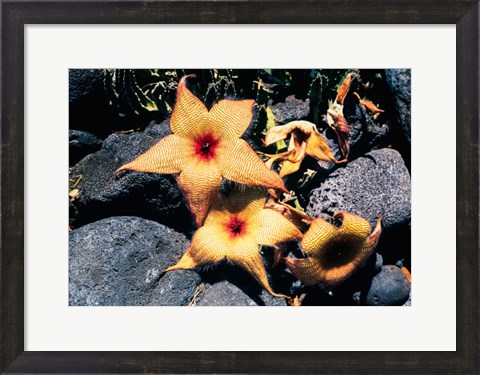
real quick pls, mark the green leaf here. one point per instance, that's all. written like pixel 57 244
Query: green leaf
pixel 280 145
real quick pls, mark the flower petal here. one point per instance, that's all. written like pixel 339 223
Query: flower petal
pixel 353 226
pixel 317 236
pixel 306 270
pixel 231 117
pixel 190 116
pixel 334 254
pixel 274 229
pixel 318 147
pixel 247 201
pixel 200 183
pixel 167 156
pixel 208 246
pixel 239 163
pixel 246 254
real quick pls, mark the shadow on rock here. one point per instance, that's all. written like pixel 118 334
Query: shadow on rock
pixel 229 285
pixel 152 196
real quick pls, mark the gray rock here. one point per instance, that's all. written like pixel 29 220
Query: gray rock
pixel 389 288
pixel 290 110
pixel 88 105
pixel 365 134
pixel 409 301
pixel 80 144
pixel 377 183
pixel 148 195
pixel 357 297
pixel 119 261
pixel 399 82
pixel 223 293
pixel 84 83
pixel 378 262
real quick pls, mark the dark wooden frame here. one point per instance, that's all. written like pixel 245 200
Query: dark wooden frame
pixel 15 14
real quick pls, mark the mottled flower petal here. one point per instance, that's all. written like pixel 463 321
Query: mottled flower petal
pixel 170 155
pixel 306 269
pixel 246 202
pixel 353 226
pixel 246 254
pixel 317 236
pixel 205 147
pixel 231 229
pixel 207 247
pixel 334 254
pixel 200 183
pixel 274 229
pixel 231 117
pixel 190 116
pixel 240 164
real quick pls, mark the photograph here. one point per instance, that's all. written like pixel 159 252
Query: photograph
pixel 239 187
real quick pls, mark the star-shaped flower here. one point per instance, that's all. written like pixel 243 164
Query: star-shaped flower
pixel 204 147
pixel 334 253
pixel 233 229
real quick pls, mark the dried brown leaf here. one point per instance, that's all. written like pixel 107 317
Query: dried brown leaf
pixel 344 87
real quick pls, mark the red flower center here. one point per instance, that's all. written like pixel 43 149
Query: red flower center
pixel 205 146
pixel 236 227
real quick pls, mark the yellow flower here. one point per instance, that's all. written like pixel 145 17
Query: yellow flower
pixel 233 229
pixel 334 253
pixel 204 147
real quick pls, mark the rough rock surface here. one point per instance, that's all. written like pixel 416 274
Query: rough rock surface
pixel 148 195
pixel 119 261
pixel 399 82
pixel 390 287
pixel 224 293
pixel 364 133
pixel 377 183
pixel 80 144
pixel 88 106
pixel 290 110
pixel 378 262
pixel 230 285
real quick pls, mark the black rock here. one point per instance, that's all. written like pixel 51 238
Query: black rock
pixel 80 144
pixel 88 105
pixel 148 195
pixel 389 288
pixel 229 285
pixel 375 184
pixel 119 261
pixel 365 135
pixel 399 82
pixel 357 297
pixel 224 293
pixel 290 110
pixel 409 301
pixel 378 262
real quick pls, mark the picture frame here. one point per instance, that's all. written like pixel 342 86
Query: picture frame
pixel 17 14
